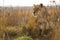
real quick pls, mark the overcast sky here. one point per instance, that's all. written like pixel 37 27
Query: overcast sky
pixel 25 2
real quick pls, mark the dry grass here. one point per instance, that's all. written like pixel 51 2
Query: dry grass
pixel 21 22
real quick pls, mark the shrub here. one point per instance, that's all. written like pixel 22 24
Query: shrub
pixel 25 37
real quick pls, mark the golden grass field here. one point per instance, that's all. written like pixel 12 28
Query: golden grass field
pixel 17 23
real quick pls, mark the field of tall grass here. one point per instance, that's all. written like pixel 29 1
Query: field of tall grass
pixel 18 23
